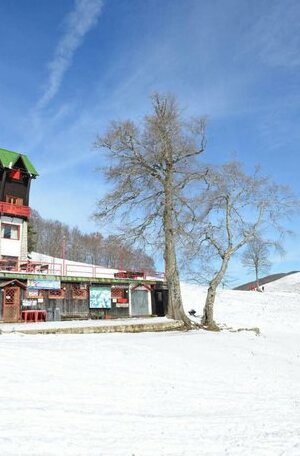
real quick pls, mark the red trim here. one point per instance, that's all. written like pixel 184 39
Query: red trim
pixel 142 285
pixel 13 209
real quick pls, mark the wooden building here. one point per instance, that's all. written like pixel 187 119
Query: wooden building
pixel 26 296
pixel 16 173
pixel 53 289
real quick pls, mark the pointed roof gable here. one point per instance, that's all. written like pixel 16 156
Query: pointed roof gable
pixel 8 158
pixel 12 282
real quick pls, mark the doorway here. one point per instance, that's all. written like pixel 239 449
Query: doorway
pixel 160 306
pixel 11 304
pixel 139 302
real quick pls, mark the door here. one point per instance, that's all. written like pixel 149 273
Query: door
pixel 11 304
pixel 160 302
pixel 139 303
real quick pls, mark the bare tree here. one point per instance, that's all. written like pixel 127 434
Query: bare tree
pixel 48 236
pixel 151 169
pixel 256 256
pixel 240 206
pixel 118 254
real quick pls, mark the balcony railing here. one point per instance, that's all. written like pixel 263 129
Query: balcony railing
pixel 62 268
pixel 14 209
pixel 28 266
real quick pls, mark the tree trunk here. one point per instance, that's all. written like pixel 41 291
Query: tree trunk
pixel 208 310
pixel 256 278
pixel 175 306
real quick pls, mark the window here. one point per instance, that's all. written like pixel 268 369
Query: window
pixel 34 294
pixel 79 293
pixel 14 200
pixel 10 231
pixel 15 174
pixel 56 294
pixel 119 294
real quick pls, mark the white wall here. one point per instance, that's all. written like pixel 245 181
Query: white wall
pixel 12 247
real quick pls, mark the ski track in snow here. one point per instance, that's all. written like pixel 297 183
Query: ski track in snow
pixel 167 394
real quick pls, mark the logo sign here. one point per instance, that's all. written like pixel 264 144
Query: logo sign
pixel 44 284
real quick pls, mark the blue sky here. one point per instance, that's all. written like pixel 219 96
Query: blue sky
pixel 69 67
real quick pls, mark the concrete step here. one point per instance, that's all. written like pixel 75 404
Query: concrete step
pixel 169 325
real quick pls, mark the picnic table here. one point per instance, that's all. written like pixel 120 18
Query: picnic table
pixel 33 315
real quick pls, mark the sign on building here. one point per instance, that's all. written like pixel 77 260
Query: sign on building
pixel 100 298
pixel 44 284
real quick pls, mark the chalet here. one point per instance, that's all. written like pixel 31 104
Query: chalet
pixel 16 173
pixel 46 288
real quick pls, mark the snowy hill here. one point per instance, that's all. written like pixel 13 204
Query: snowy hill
pixel 195 393
pixel 289 283
pixel 240 309
pixel 263 280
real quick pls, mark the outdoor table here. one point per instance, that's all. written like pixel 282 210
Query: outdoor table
pixel 33 266
pixel 33 315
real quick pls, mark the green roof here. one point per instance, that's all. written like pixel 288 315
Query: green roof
pixel 9 158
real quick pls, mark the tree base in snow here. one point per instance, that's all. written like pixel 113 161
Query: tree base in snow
pixel 210 327
pixel 188 324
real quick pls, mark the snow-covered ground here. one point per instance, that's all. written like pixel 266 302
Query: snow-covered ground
pixel 179 393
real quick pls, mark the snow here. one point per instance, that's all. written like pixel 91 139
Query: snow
pixel 289 283
pixel 167 394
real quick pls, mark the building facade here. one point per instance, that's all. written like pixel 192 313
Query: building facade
pixel 47 288
pixel 16 173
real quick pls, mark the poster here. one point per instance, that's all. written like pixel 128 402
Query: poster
pixel 100 298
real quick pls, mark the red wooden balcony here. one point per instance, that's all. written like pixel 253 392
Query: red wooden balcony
pixel 14 209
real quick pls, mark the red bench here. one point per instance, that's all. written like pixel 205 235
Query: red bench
pixel 33 315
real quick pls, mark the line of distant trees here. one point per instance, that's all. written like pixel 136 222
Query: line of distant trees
pixel 51 237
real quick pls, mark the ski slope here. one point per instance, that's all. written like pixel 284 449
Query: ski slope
pixel 169 394
pixel 289 284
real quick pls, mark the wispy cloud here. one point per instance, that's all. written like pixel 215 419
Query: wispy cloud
pixel 78 23
pixel 275 37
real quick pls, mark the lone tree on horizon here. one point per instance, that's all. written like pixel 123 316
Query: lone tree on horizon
pixel 151 168
pixel 256 256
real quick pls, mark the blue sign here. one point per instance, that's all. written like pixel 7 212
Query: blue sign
pixel 43 284
pixel 100 298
